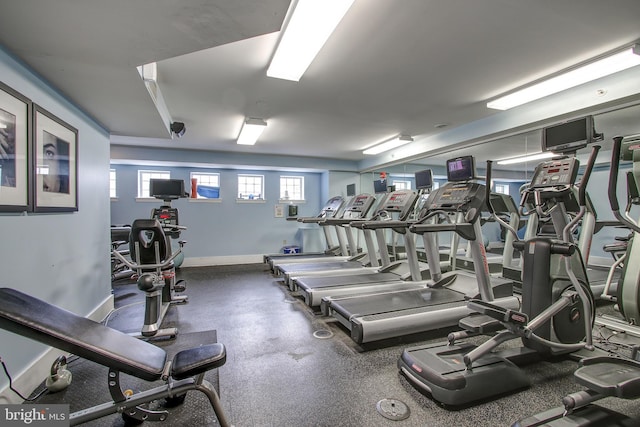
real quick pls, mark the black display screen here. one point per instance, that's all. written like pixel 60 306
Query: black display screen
pixel 424 179
pixel 166 188
pixel 460 169
pixel 568 136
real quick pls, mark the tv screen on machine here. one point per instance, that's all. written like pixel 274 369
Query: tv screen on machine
pixel 424 179
pixel 166 188
pixel 568 136
pixel 460 169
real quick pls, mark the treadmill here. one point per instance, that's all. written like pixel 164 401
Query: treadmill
pixel 357 208
pixel 504 205
pixel 442 301
pixel 392 277
pixel 330 209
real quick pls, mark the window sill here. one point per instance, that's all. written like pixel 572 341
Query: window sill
pixel 147 199
pixel 288 201
pixel 250 201
pixel 204 200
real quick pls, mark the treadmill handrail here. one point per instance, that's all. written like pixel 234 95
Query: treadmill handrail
pixel 339 221
pixel 464 229
pixel 374 225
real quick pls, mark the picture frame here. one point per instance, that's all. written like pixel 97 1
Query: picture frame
pixel 16 194
pixel 55 153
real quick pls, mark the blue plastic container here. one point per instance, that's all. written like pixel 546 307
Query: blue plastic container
pixel 208 191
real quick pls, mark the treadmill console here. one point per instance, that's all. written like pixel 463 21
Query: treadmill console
pixel 358 206
pixel 555 173
pixel 458 197
pixel 332 207
pixel 400 201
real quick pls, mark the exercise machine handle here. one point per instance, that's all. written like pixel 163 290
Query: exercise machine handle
pixel 499 220
pixel 582 199
pixel 613 175
pixel 613 185
pixel 488 187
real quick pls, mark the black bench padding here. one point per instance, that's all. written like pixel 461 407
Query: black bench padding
pixel 59 328
pixel 198 359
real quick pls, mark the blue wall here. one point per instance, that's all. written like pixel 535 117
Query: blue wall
pixel 224 227
pixel 62 258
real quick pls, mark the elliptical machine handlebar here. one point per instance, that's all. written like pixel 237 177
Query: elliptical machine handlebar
pixel 492 212
pixel 613 185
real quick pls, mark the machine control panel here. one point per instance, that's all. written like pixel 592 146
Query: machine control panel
pixel 556 173
pixel 167 216
pixel 358 206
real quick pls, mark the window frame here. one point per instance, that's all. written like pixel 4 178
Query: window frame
pixel 141 181
pixel 299 178
pixel 239 196
pixel 208 174
pixel 113 181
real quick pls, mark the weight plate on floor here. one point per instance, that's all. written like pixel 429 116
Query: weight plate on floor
pixel 393 409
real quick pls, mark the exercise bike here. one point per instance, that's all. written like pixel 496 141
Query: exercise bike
pixel 557 305
pixel 153 261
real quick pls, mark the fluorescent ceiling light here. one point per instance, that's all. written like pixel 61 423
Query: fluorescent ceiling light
pixel 529 158
pixel 386 146
pixel 311 24
pixel 251 131
pixel 611 64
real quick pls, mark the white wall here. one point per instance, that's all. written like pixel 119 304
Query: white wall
pixel 62 258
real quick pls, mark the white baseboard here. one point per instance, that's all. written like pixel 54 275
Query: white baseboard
pixel 222 260
pixel 32 376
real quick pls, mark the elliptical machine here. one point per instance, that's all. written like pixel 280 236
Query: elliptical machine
pixel 557 306
pixel 607 376
pixel 627 294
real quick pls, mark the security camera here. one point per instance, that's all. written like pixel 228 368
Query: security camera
pixel 178 129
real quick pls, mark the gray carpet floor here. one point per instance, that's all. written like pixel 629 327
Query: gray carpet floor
pixel 279 374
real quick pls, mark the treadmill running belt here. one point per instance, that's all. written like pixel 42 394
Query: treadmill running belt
pixel 394 301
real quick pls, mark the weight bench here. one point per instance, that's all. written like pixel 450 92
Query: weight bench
pixel 38 320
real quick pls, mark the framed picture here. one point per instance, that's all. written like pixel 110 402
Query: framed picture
pixel 55 152
pixel 15 151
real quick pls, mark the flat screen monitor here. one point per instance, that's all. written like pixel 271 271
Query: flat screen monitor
pixel 461 169
pixel 568 136
pixel 424 179
pixel 351 190
pixel 166 188
pixel 380 186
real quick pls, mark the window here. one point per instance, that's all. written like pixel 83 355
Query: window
pixel 208 180
pixel 291 188
pixel 402 185
pixel 502 188
pixel 145 176
pixel 250 187
pixel 112 183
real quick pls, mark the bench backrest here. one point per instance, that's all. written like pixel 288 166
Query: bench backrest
pixel 40 321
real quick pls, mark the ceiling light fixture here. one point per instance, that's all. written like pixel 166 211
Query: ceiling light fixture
pixel 619 61
pixel 529 158
pixel 309 27
pixel 251 130
pixel 388 145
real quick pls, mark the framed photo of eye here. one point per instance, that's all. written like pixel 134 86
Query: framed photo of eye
pixel 56 163
pixel 15 151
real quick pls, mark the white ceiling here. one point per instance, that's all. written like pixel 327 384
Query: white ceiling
pixel 390 67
